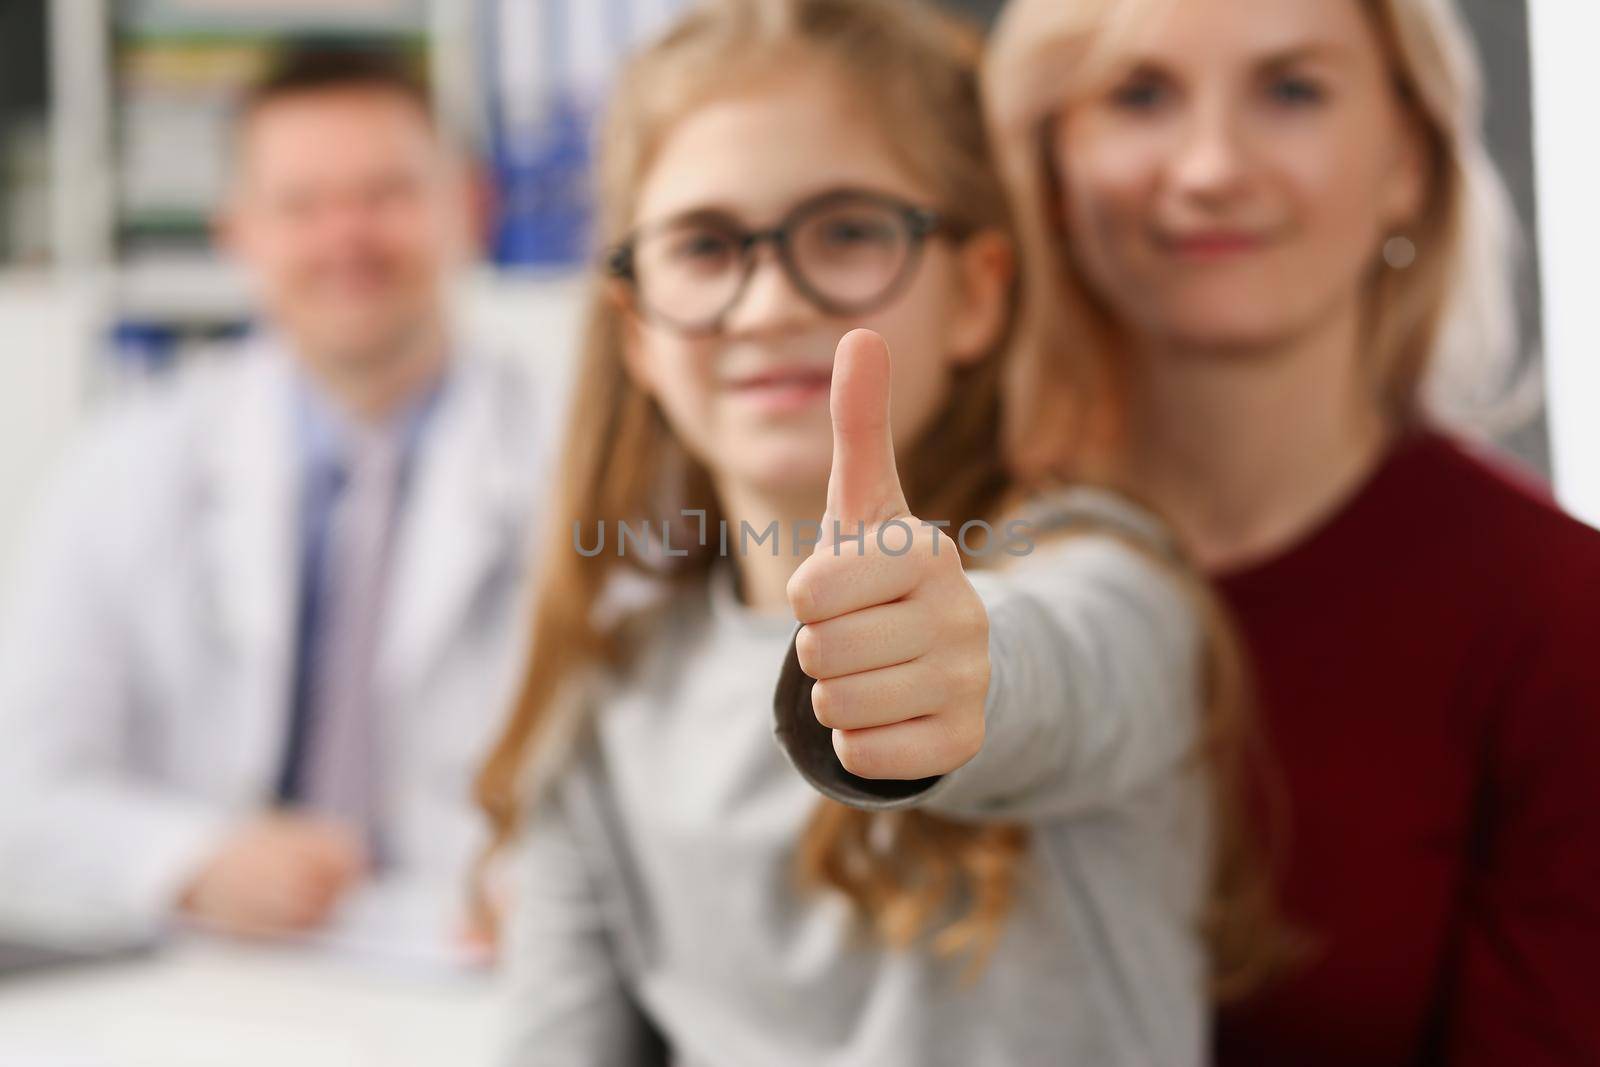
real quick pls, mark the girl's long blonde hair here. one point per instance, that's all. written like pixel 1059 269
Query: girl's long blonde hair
pixel 917 73
pixel 1442 334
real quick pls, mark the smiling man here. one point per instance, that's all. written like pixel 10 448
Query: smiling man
pixel 269 614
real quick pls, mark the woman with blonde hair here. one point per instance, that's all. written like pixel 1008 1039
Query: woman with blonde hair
pixel 1023 850
pixel 1266 250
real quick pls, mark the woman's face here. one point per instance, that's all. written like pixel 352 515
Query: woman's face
pixel 750 400
pixel 1231 183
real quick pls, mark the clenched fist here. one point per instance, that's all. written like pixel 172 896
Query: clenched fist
pixel 894 634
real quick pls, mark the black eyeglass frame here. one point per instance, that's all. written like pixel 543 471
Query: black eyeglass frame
pixel 921 223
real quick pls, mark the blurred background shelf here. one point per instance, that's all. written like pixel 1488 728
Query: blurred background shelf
pixel 176 286
pixel 228 17
pixel 115 148
pixel 25 166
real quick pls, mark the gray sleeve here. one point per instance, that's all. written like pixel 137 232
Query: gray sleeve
pixel 568 1000
pixel 1093 692
pixel 1094 684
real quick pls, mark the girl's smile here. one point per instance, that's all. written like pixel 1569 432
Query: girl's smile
pixel 781 390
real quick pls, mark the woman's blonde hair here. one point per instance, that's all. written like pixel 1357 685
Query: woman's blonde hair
pixel 1443 338
pixel 916 71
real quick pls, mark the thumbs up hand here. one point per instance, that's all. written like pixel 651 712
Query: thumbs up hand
pixel 894 634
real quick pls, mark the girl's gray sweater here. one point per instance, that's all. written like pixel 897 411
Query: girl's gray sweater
pixel 657 918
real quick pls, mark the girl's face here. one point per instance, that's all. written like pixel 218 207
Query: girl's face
pixel 750 400
pixel 1232 181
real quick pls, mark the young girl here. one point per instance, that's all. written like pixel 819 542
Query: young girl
pixel 1034 883
pixel 1266 233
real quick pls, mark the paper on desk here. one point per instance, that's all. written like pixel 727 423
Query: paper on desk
pixel 394 925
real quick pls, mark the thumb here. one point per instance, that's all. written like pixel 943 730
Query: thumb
pixel 863 485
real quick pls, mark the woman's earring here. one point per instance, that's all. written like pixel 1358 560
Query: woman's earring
pixel 1399 252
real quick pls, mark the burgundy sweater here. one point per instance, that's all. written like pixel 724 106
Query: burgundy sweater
pixel 1428 667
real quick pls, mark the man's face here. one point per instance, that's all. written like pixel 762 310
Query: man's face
pixel 347 213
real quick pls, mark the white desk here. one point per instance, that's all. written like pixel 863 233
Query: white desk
pixel 203 1003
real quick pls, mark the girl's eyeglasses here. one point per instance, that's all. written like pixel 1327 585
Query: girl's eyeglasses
pixel 848 252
